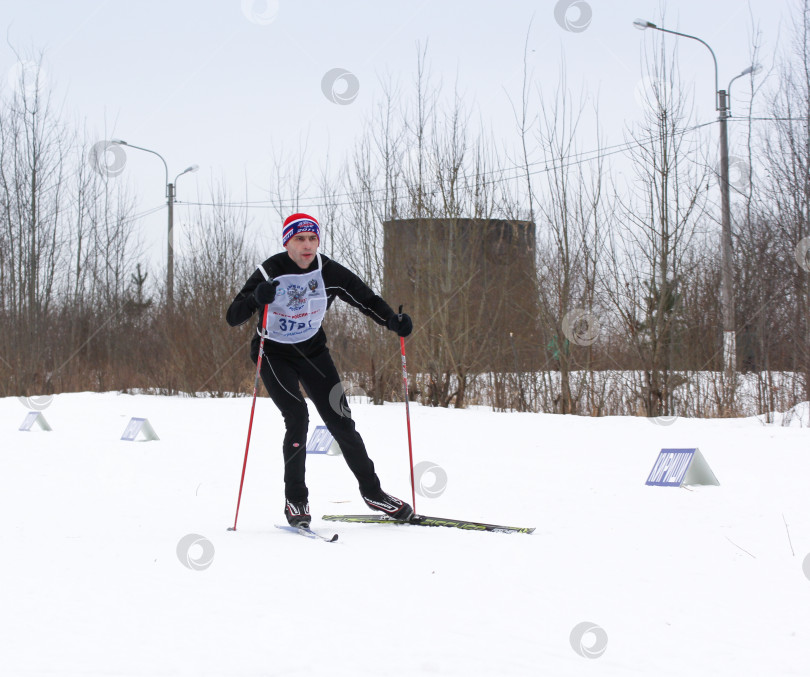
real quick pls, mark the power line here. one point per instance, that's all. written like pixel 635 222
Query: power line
pixel 520 172
pixel 584 157
pixel 148 212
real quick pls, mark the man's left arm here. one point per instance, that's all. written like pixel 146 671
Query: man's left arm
pixel 349 287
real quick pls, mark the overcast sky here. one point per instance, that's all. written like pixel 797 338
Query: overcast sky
pixel 224 83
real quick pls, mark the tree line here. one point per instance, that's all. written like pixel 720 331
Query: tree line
pixel 625 281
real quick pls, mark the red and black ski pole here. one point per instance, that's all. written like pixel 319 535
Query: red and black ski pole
pixel 252 409
pixel 407 412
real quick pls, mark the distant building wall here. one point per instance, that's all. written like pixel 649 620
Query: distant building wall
pixel 465 280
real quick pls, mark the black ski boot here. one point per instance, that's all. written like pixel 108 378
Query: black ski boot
pixel 391 506
pixel 297 513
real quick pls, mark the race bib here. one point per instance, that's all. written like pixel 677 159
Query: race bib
pixel 296 313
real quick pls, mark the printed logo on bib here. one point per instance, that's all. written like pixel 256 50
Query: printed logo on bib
pixel 297 297
pixel 313 285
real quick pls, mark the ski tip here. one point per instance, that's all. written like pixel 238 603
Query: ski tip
pixel 333 539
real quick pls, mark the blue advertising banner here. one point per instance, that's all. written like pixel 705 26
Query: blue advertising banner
pixel 679 467
pixel 322 442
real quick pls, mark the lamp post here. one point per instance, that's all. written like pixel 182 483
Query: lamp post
pixel 721 104
pixel 170 194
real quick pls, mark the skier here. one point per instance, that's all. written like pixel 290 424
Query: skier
pixel 299 285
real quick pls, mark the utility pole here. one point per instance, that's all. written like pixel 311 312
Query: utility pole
pixel 721 104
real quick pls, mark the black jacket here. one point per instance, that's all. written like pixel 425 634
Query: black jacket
pixel 339 282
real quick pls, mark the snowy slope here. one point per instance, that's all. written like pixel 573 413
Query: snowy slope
pixel 707 581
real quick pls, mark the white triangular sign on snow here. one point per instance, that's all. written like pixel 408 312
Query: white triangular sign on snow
pixel 35 417
pixel 699 472
pixel 139 426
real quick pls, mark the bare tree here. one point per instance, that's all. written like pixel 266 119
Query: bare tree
pixel 569 242
pixel 33 147
pixel 658 216
pixel 204 353
pixel 787 184
pixel 370 184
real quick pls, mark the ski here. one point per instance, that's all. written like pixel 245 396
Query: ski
pixel 306 531
pixel 426 521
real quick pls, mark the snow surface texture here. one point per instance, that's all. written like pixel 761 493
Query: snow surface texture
pixel 116 559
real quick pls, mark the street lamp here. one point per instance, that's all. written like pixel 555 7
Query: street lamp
pixel 170 201
pixel 751 69
pixel 721 104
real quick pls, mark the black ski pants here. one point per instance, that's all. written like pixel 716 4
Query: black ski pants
pixel 318 375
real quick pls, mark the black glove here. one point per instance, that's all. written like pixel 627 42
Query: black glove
pixel 266 292
pixel 401 324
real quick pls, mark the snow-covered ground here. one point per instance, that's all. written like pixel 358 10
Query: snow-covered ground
pixel 700 581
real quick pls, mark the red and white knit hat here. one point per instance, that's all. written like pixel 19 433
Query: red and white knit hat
pixel 299 223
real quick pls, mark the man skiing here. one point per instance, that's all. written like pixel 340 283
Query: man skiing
pixel 298 286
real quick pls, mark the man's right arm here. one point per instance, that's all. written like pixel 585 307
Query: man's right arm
pixel 244 305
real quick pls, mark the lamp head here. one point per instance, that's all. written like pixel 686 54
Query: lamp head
pixel 643 24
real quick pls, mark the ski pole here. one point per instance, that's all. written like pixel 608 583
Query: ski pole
pixel 252 409
pixel 407 412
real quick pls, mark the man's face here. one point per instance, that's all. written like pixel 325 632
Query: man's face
pixel 302 248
